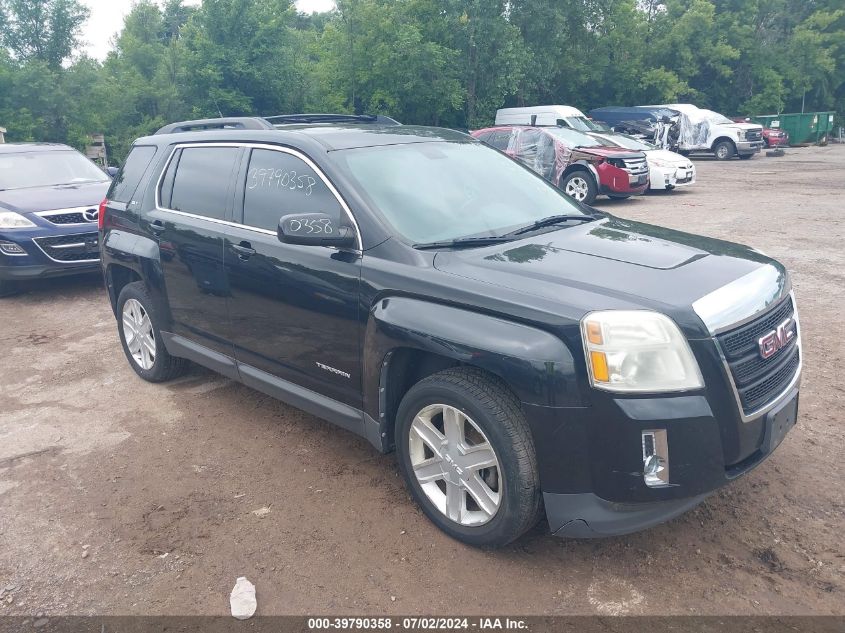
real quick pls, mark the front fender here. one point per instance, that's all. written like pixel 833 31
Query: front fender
pixel 537 365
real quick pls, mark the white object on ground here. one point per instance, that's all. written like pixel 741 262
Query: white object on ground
pixel 243 600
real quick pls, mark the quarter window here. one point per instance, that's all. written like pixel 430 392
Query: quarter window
pixel 127 181
pixel 279 184
pixel 202 182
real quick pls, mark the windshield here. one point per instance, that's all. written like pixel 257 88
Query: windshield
pixel 573 138
pixel 715 117
pixel 583 124
pixel 438 191
pixel 629 142
pixel 46 169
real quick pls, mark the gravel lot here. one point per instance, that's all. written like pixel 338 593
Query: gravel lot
pixel 120 497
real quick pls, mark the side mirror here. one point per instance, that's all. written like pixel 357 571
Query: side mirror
pixel 315 229
pixel 112 171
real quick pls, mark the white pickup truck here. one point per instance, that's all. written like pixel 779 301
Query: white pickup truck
pixel 699 130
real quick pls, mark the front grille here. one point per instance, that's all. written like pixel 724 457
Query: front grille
pixel 753 135
pixel 66 218
pixel 760 380
pixel 635 166
pixel 70 248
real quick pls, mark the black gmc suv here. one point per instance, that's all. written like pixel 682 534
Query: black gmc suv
pixel 521 353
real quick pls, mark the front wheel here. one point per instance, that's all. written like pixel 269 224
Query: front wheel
pixel 580 186
pixel 141 338
pixel 724 150
pixel 468 458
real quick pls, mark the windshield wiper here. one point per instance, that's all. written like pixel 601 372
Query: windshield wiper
pixel 464 242
pixel 550 221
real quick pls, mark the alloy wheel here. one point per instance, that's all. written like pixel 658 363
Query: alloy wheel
pixel 577 188
pixel 138 333
pixel 455 465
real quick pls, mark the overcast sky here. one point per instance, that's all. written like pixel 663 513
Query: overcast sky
pixel 107 19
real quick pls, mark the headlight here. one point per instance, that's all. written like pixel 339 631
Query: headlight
pixel 740 134
pixel 12 220
pixel 631 351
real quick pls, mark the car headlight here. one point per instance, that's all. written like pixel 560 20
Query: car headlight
pixel 12 220
pixel 631 351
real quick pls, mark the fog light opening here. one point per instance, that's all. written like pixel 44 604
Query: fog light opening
pixel 11 249
pixel 655 458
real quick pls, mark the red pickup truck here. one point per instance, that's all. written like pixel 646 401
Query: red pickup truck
pixel 772 136
pixel 581 165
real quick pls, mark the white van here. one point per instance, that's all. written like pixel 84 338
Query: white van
pixel 548 115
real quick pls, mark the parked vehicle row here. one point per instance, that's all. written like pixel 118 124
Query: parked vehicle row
pixel 524 355
pixel 583 158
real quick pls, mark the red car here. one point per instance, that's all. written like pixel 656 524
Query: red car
pixel 581 165
pixel 772 136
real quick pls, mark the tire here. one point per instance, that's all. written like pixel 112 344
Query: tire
pixel 487 412
pixel 746 156
pixel 724 150
pixel 136 312
pixel 8 288
pixel 581 186
pixel 617 196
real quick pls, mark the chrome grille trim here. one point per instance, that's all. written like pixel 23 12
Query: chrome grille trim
pixel 779 398
pixel 46 215
pixel 46 247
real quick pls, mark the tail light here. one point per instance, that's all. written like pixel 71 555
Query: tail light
pixel 101 215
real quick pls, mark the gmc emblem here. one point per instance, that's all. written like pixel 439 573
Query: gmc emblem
pixel 777 339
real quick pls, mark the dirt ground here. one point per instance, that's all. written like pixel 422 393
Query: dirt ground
pixel 121 497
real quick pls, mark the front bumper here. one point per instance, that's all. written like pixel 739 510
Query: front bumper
pixel 49 252
pixel 591 459
pixel 671 177
pixel 749 147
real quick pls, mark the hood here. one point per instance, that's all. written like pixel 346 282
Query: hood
pixel 35 199
pixel 609 152
pixel 612 264
pixel 670 157
pixel 745 126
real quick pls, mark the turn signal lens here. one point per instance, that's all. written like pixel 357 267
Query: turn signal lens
pixel 594 333
pixel 599 363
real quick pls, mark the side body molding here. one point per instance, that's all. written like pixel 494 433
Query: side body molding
pixel 537 365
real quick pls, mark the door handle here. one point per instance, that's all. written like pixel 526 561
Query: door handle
pixel 244 250
pixel 157 226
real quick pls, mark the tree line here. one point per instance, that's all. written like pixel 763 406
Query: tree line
pixel 434 62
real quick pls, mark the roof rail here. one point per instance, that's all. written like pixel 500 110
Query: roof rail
pixel 283 119
pixel 234 123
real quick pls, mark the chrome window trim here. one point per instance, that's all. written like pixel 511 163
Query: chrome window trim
pixel 46 215
pixel 795 382
pixel 64 261
pixel 267 146
pixel 742 300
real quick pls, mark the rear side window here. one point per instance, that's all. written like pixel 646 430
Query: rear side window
pixel 130 175
pixel 279 184
pixel 202 181
pixel 500 140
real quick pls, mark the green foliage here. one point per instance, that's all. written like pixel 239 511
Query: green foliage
pixel 436 62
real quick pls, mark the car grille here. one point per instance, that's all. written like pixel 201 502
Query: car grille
pixel 70 216
pixel 82 247
pixel 758 381
pixel 753 135
pixel 635 166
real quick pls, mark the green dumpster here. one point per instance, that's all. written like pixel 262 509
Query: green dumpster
pixel 807 127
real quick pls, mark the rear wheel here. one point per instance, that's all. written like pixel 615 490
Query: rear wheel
pixel 724 150
pixel 581 186
pixel 141 338
pixel 468 457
